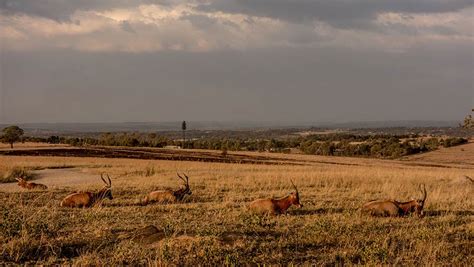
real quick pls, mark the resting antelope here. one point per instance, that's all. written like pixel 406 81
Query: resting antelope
pixel 393 208
pixel 169 196
pixel 30 186
pixel 276 206
pixel 88 199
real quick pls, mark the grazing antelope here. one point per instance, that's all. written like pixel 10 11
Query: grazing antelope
pixel 30 186
pixel 169 196
pixel 393 208
pixel 276 206
pixel 88 199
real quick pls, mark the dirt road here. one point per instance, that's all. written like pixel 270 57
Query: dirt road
pixel 57 178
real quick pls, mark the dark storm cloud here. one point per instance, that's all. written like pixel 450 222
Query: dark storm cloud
pixel 61 10
pixel 338 13
pixel 252 70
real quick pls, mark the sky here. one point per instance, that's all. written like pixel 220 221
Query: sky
pixel 236 60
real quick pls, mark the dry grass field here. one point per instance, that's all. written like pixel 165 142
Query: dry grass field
pixel 213 225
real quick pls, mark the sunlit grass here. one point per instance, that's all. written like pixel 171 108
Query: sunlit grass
pixel 213 226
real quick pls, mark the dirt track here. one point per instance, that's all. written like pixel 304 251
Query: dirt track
pixel 56 178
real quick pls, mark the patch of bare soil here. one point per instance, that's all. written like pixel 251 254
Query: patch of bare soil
pixel 56 178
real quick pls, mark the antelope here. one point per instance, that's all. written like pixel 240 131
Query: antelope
pixel 276 206
pixel 30 186
pixel 393 208
pixel 169 196
pixel 88 199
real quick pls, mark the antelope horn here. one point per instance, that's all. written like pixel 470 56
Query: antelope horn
pixel 187 178
pixel 181 177
pixel 102 177
pixel 423 190
pixel 294 186
pixel 110 181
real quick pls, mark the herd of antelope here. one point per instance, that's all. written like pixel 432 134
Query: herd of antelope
pixel 273 206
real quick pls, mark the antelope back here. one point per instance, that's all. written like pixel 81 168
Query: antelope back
pixel 165 196
pixel 381 208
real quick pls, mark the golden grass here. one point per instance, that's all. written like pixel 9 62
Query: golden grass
pixel 460 155
pixel 213 227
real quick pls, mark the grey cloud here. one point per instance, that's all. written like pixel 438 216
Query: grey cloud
pixel 61 10
pixel 414 31
pixel 338 13
pixel 278 84
pixel 200 21
pixel 126 26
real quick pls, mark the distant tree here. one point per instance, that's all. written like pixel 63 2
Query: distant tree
pixel 54 139
pixel 454 141
pixel 12 134
pixel 431 144
pixel 224 151
pixel 468 122
pixel 183 127
pixel 327 148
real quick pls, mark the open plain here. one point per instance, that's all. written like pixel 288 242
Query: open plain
pixel 213 225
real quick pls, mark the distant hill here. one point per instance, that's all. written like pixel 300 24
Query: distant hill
pixel 71 128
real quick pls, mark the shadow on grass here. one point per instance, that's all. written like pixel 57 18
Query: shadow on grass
pixel 123 204
pixel 437 213
pixel 140 203
pixel 316 211
pixel 35 251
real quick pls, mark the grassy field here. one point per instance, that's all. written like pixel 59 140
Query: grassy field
pixel 213 226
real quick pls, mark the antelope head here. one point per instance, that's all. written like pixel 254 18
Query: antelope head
pixel 21 181
pixel 295 196
pixel 106 191
pixel 420 203
pixel 186 190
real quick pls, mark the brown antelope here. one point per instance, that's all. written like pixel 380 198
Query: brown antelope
pixel 393 208
pixel 30 186
pixel 88 199
pixel 276 206
pixel 169 196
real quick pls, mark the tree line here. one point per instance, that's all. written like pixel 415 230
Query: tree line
pixel 333 144
pixel 378 146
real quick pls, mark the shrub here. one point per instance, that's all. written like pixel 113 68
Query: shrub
pixel 10 175
pixel 454 141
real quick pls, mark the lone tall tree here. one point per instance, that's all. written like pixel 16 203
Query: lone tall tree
pixel 12 134
pixel 183 127
pixel 468 122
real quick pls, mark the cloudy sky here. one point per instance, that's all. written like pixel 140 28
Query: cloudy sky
pixel 236 60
